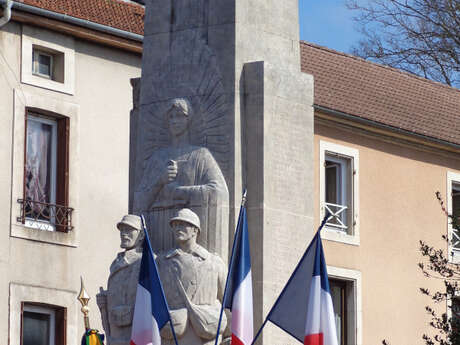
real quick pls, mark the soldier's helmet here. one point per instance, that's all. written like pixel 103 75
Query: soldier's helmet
pixel 187 215
pixel 130 220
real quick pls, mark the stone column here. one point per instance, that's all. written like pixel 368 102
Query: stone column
pixel 269 117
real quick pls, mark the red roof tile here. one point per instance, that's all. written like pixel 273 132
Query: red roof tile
pixel 115 13
pixel 382 94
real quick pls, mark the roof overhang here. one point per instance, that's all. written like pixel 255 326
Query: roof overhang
pixel 378 128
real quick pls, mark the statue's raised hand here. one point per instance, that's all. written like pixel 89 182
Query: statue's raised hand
pixel 170 172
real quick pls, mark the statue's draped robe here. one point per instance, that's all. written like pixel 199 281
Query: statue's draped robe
pixel 205 189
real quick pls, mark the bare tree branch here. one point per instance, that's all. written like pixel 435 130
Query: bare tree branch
pixel 417 36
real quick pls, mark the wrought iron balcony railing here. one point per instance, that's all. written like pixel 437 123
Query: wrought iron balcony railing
pixel 45 216
pixel 338 216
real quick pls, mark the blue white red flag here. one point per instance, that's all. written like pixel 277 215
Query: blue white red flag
pixel 320 324
pixel 238 296
pixel 151 311
pixel 304 308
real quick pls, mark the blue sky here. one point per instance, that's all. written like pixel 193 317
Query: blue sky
pixel 327 23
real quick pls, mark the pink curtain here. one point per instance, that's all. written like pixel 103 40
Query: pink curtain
pixel 38 162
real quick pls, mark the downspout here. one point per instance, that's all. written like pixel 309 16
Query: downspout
pixel 6 12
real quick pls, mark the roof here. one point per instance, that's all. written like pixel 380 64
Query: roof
pixel 114 13
pixel 381 94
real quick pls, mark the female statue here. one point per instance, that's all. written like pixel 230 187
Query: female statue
pixel 182 175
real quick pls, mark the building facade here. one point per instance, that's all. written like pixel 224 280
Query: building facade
pixel 65 75
pixel 385 142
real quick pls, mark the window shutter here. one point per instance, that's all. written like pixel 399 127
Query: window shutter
pixel 61 326
pixel 62 178
pixel 22 322
pixel 24 178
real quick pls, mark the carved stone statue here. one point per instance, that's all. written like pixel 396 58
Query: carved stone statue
pixel 116 304
pixel 194 281
pixel 180 175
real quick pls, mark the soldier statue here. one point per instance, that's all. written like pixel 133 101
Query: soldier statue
pixel 194 283
pixel 116 304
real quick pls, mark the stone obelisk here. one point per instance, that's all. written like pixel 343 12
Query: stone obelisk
pixel 238 64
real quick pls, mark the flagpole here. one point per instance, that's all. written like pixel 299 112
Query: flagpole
pixel 323 222
pixel 161 285
pixel 237 234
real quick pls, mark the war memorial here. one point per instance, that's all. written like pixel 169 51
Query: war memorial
pixel 221 106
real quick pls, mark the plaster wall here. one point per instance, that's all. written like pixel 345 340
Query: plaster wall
pixel 39 266
pixel 397 209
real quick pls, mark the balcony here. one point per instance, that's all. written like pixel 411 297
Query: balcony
pixel 45 216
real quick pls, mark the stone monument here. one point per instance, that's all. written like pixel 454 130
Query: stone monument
pixel 116 304
pixel 229 72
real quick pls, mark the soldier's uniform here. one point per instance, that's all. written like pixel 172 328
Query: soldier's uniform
pixel 117 302
pixel 202 276
pixel 121 295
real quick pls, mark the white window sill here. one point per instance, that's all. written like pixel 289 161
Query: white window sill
pixel 335 235
pixel 43 226
pixel 29 231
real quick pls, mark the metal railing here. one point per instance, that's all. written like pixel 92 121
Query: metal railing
pixel 45 216
pixel 455 240
pixel 337 218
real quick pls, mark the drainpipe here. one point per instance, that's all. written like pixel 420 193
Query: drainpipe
pixel 6 12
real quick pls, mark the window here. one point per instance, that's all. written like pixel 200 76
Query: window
pixel 42 64
pixel 339 191
pixel 455 313
pixel 48 63
pixel 338 198
pixel 43 324
pixel 453 208
pixel 456 213
pixel 45 202
pixel 345 287
pixel 338 292
pixel 48 59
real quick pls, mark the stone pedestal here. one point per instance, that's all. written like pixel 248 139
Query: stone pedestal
pixel 263 116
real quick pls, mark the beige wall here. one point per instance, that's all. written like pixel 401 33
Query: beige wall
pixel 397 209
pixel 99 175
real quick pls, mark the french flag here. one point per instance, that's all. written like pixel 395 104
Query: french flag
pixel 320 324
pixel 151 311
pixel 238 295
pixel 304 308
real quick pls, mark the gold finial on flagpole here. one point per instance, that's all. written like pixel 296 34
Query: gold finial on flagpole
pixel 84 298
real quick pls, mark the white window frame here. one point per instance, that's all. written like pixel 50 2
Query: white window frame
pixel 33 99
pixel 330 233
pixel 452 178
pixel 47 42
pixel 36 63
pixel 20 294
pixel 47 226
pixel 46 311
pixel 354 302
